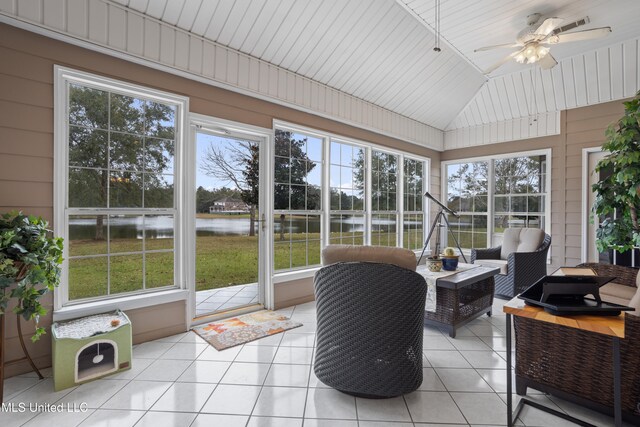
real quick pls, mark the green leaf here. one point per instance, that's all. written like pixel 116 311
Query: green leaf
pixel 619 189
pixel 27 239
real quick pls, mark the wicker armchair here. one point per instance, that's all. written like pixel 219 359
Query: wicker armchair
pixel 620 290
pixel 521 269
pixel 370 326
pixel 577 365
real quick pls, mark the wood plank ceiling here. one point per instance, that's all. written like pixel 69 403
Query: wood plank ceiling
pixel 588 72
pixel 372 49
pixel 371 62
pixel 471 24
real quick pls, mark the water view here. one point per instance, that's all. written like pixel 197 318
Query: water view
pixel 162 226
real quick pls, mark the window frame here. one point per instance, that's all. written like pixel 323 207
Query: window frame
pixel 321 213
pixel 307 271
pixel 491 190
pixel 63 307
pixel 424 212
pixel 398 211
pixel 366 191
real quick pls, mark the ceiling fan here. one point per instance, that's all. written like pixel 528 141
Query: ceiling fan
pixel 535 40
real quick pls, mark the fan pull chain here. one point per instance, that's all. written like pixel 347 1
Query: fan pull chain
pixel 533 115
pixel 437 26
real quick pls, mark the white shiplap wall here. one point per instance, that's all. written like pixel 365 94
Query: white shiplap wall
pixel 543 124
pixel 602 75
pixel 145 39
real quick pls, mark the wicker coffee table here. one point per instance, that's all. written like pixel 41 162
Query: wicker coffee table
pixel 461 297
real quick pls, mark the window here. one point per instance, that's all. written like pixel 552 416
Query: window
pixel 519 199
pixel 383 198
pixel 297 199
pixel 467 194
pixel 413 222
pixel 120 210
pixel 329 190
pixel 516 186
pixel 347 176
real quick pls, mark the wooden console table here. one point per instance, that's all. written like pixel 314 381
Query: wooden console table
pixel 610 326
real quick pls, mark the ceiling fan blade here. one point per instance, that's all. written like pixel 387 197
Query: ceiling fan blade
pixel 572 25
pixel 502 62
pixel 548 26
pixel 547 62
pixel 498 46
pixel 577 36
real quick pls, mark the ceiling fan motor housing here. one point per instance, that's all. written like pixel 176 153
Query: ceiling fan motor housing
pixel 533 19
pixel 528 34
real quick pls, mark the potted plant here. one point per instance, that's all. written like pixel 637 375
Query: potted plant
pixel 449 259
pixel 29 257
pixel 618 194
pixel 434 263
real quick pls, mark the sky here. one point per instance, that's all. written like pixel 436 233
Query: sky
pixel 204 141
pixel 341 154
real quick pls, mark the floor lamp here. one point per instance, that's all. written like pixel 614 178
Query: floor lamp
pixel 437 223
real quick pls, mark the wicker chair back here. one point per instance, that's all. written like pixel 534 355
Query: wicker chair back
pixel 370 326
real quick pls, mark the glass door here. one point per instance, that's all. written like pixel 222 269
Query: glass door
pixel 628 258
pixel 592 252
pixel 229 221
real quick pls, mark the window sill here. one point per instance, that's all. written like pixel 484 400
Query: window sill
pixel 294 275
pixel 125 303
pixel 290 276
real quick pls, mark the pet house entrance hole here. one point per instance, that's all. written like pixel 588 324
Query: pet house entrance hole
pixel 96 359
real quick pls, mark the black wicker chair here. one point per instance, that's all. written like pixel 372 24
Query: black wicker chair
pixel 370 326
pixel 523 268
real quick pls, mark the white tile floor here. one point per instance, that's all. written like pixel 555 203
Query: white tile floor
pixel 221 299
pixel 181 381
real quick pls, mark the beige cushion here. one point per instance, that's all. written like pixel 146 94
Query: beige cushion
pixel 616 290
pixel 346 253
pixel 521 240
pixel 635 302
pixel 614 299
pixel 638 279
pixel 499 263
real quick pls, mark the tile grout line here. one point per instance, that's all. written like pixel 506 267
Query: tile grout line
pixel 217 384
pixel 233 360
pixel 265 379
pixel 132 379
pixel 472 367
pixel 173 382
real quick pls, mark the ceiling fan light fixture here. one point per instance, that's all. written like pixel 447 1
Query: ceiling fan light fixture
pixel 530 51
pixel 520 58
pixel 531 54
pixel 542 51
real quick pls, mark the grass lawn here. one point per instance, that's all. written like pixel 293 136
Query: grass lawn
pixel 221 261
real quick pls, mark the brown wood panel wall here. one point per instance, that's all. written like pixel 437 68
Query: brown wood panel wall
pixel 579 128
pixel 26 143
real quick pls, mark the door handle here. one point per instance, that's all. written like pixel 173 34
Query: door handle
pixel 262 221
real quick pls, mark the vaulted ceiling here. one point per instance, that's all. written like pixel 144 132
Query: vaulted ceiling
pixel 471 24
pixel 368 62
pixel 372 49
